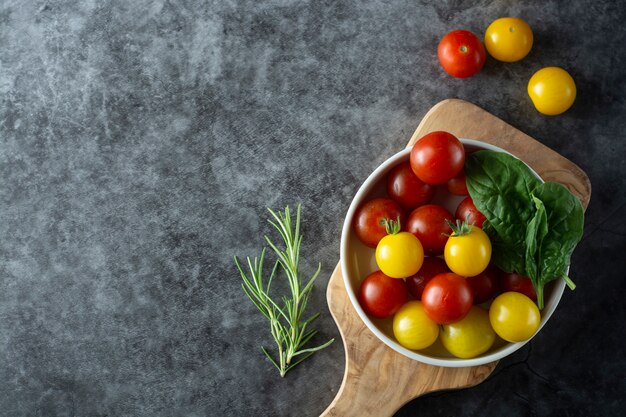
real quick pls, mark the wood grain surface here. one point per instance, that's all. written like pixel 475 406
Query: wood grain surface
pixel 378 380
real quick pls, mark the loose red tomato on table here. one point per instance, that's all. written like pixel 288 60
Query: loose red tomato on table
pixel 447 298
pixel 484 285
pixel 369 219
pixel 381 296
pixel 457 184
pixel 467 208
pixel 429 224
pixel 461 53
pixel 437 157
pixel 404 187
pixel 430 268
pixel 518 283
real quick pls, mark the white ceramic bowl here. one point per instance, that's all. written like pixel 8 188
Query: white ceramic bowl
pixel 358 261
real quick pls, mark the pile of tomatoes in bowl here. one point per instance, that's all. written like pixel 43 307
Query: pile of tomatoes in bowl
pixel 417 263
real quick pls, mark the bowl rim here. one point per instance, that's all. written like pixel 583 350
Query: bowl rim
pixel 363 190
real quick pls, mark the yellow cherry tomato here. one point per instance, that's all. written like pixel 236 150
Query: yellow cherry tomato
pixel 552 90
pixel 412 327
pixel 469 337
pixel 399 255
pixel 508 39
pixel 467 251
pixel 514 316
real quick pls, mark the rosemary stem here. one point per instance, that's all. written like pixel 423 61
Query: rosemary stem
pixel 288 331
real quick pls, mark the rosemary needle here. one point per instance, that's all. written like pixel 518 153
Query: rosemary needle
pixel 290 331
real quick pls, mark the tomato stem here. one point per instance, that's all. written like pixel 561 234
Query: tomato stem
pixel 392 226
pixel 461 228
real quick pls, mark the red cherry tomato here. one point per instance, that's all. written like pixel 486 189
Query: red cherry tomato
pixel 381 296
pixel 484 285
pixel 467 207
pixel 457 184
pixel 429 224
pixel 430 268
pixel 461 53
pixel 518 283
pixel 368 220
pixel 437 157
pixel 405 188
pixel 447 298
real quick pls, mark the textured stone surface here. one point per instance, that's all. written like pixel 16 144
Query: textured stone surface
pixel 140 142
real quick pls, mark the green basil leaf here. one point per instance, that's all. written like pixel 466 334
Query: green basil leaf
pixel 533 226
pixel 500 186
pixel 506 257
pixel 535 232
pixel 565 218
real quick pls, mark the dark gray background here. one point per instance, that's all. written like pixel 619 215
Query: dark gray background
pixel 141 141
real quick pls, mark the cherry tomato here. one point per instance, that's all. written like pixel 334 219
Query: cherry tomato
pixel 381 296
pixel 467 207
pixel 457 184
pixel 430 268
pixel 469 337
pixel 468 251
pixel 552 90
pixel 514 317
pixel 399 254
pixel 404 187
pixel 412 327
pixel 461 53
pixel 508 39
pixel 484 285
pixel 447 298
pixel 518 283
pixel 437 157
pixel 369 224
pixel 429 224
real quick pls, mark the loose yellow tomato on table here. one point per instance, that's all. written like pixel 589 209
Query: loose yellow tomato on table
pixel 508 39
pixel 552 90
pixel 469 337
pixel 514 317
pixel 399 254
pixel 412 327
pixel 468 250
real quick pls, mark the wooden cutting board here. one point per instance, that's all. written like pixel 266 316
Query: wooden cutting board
pixel 377 379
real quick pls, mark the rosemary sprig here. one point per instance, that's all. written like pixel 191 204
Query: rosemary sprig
pixel 290 332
